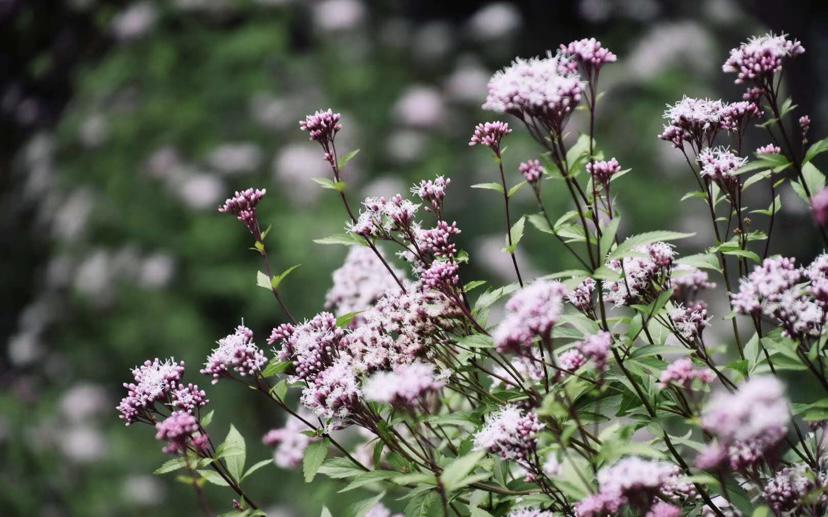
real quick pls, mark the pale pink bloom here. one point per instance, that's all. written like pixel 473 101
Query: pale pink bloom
pixel 510 433
pixel 530 314
pixel 761 56
pixel 682 373
pixel 490 134
pixel 531 170
pixel 406 385
pixel 236 352
pixel 154 381
pixel 769 149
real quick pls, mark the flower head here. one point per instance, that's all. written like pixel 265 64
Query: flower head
pixel 236 352
pixel 692 120
pixel 531 171
pixel 682 373
pixel 490 134
pixel 154 381
pixel 819 207
pixel 530 314
pixel 749 423
pixel 645 274
pixel 510 433
pixel 736 115
pixel 243 206
pixel 289 443
pixel 312 346
pixel 322 126
pixel 581 296
pixel 406 385
pixel 687 281
pixel 690 321
pixel 769 149
pixel 360 282
pixel 432 192
pixel 334 392
pixel 761 56
pixel 720 164
pixel 189 398
pixel 787 489
pixel 596 348
pixel 441 276
pixel 544 89
pixel 603 171
pixel 179 430
pixel 589 53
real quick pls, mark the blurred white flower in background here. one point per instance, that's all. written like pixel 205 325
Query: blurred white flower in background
pixel 156 271
pixel 338 15
pixel 671 46
pixel 94 130
pixel 295 165
pixel 83 401
pixel 420 106
pixel 200 191
pixel 134 21
pixel 432 42
pixel 406 145
pixel 72 214
pixel 495 21
pixel 82 444
pixel 235 158
pixel 142 490
pixel 468 82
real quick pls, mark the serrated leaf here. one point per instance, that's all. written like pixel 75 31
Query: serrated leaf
pixel 645 238
pixel 171 466
pixel 489 186
pixel 234 452
pixel 360 508
pixel 422 506
pixel 314 457
pixel 256 466
pixel 539 222
pixel 454 474
pixel 516 234
pixel 275 367
pixel 517 188
pixel 815 150
pixel 213 477
pixel 345 239
pixel 284 274
pixel 262 280
pixel 350 155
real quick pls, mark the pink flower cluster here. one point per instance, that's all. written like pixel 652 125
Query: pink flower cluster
pixel 747 424
pixel 312 346
pixel 761 57
pixel 581 296
pixel 596 348
pixel 637 483
pixel 603 171
pixel 682 373
pixel 405 386
pixel 236 352
pixel 322 126
pixel 695 121
pixel 334 392
pixel 720 165
pixel 490 134
pixel 530 314
pixel 531 171
pixel 691 320
pixel 432 192
pixel 736 115
pixel 510 433
pixel 787 490
pixel 180 430
pixel 289 443
pixel 360 282
pixel 154 381
pixel 545 90
pixel 644 274
pixel 589 53
pixel 687 281
pixel 529 512
pixel 819 207
pixel 243 206
pixel 779 290
pixel 441 276
pixel 769 149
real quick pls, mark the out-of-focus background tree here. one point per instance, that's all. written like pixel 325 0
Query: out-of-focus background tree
pixel 125 124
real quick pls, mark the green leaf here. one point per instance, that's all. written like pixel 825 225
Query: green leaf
pixel 256 466
pixel 608 236
pixel 325 512
pixel 279 390
pixel 539 222
pixel 474 511
pixel 171 466
pixel 338 186
pixel 476 341
pixel 645 238
pixel 517 188
pixel 208 418
pixel 345 239
pixel 360 508
pixel 340 468
pixel 233 452
pixel 816 149
pixel 516 233
pixel 814 178
pixel 347 158
pixel 262 280
pixel 314 456
pixel 213 477
pixel 489 186
pixel 761 511
pixel 422 506
pixel 454 474
pixel 275 367
pixel 474 284
pixel 744 253
pixel 701 261
pixel 281 276
pixel 578 152
pixel 346 319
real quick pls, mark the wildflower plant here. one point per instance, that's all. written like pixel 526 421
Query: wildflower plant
pixel 596 391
